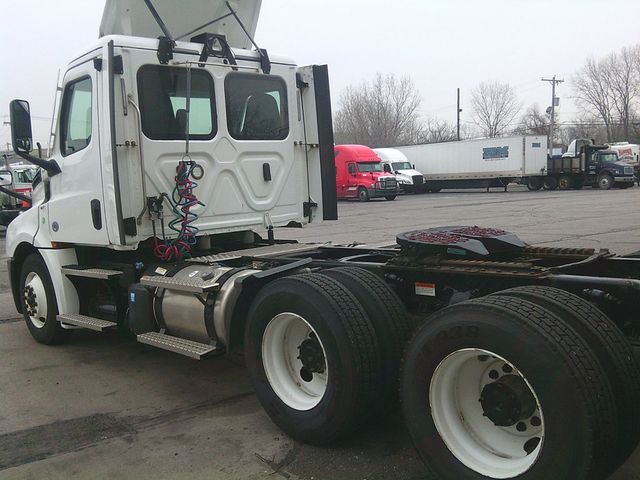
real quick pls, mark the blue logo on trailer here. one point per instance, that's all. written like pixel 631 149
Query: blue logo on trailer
pixel 495 153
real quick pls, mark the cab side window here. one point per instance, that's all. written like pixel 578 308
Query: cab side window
pixel 75 121
pixel 256 107
pixel 352 168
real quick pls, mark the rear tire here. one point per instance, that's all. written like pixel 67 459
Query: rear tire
pixel 534 184
pixel 565 182
pixel 388 317
pixel 363 194
pixel 610 346
pixel 39 306
pixel 313 317
pixel 550 183
pixel 570 390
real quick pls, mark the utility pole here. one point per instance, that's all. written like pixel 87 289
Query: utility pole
pixel 459 111
pixel 553 82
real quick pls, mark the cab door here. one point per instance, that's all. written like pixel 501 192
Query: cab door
pixel 76 207
pixel 351 187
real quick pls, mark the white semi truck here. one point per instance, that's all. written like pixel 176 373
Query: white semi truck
pixel 175 161
pixel 485 163
pixel 409 179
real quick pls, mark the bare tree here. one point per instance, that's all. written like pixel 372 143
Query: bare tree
pixel 495 107
pixel 624 81
pixel 534 122
pixel 380 113
pixel 584 126
pixel 437 131
pixel 594 93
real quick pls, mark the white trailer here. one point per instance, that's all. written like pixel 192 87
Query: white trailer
pixel 486 162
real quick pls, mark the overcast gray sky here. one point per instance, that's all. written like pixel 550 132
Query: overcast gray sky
pixel 441 44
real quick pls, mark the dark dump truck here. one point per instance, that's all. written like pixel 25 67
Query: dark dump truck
pixel 584 164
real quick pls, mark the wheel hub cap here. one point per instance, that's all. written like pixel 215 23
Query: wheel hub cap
pixel 35 300
pixel 507 401
pixel 294 361
pixel 311 355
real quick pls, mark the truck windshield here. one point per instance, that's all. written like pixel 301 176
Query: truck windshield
pixel 24 176
pixel 608 157
pixel 370 167
pixel 401 166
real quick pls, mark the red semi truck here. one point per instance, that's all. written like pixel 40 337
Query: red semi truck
pixel 360 174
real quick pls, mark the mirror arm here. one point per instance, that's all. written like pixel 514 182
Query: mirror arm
pixel 51 166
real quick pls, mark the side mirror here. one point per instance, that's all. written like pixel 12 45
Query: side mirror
pixel 21 133
pixel 5 180
pixel 413 166
pixel 22 136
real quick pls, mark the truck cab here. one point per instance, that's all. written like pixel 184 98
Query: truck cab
pixel 394 161
pixel 594 165
pixel 360 174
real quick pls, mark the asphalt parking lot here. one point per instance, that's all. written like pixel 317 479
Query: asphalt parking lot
pixel 103 406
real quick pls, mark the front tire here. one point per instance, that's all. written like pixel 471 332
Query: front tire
pixel 391 198
pixel 605 181
pixel 313 357
pixel 472 359
pixel 363 194
pixel 39 306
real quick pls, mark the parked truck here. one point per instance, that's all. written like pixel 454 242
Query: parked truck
pixel 409 179
pixel 360 174
pixel 517 359
pixel 584 164
pixel 15 191
pixel 481 163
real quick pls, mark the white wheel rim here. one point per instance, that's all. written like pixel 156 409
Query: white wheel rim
pixel 456 387
pixel 282 339
pixel 35 300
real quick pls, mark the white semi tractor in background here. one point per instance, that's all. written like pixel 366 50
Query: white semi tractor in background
pixel 409 179
pixel 519 364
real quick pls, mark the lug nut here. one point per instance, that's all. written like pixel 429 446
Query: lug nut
pixel 536 422
pixel 494 375
pixel 521 427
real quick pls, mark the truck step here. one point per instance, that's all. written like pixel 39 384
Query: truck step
pixel 89 272
pixel 90 323
pixel 188 348
pixel 190 285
